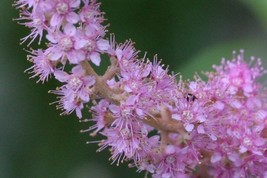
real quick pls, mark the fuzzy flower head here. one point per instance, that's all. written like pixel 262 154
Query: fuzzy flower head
pixel 75 92
pixel 64 11
pixel 167 127
pixel 36 21
pixel 240 75
pixel 43 66
pixel 63 46
pixel 170 164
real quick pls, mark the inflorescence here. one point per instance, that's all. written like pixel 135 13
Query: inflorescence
pixel 166 127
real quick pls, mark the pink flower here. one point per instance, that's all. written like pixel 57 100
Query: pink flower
pixel 189 113
pixel 100 111
pixel 92 18
pixel 75 92
pixel 91 46
pixel 63 47
pixel 43 67
pixel 64 11
pixel 36 21
pixel 170 164
pixel 239 75
pixel 123 52
pixel 124 142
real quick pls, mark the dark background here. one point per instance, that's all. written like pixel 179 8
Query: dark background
pixel 190 36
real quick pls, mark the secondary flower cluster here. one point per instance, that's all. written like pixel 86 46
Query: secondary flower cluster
pixel 167 127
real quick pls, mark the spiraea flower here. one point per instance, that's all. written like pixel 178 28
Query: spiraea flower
pixel 43 66
pixel 147 117
pixel 64 10
pixel 76 91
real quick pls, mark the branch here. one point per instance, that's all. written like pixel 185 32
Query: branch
pixel 112 69
pixel 100 85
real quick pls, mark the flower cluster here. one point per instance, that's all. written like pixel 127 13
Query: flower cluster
pixel 166 127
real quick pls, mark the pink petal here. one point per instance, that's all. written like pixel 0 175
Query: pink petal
pixel 61 75
pixel 74 3
pixel 139 112
pixel 69 29
pixel 200 129
pixel 76 56
pixel 56 55
pixel 72 17
pixel 189 127
pixel 80 43
pixel 127 88
pixel 176 117
pixel 51 38
pixel 201 118
pixel 114 109
pixel 55 20
pixel 131 100
pixel 170 149
pixel 242 149
pixel 103 45
pixel 78 112
pixel 77 70
pixel 215 157
pixel 95 58
pixel 119 54
pixel 219 105
pixel 89 81
pixel 84 96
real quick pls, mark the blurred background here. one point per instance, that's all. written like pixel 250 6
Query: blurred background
pixel 190 36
